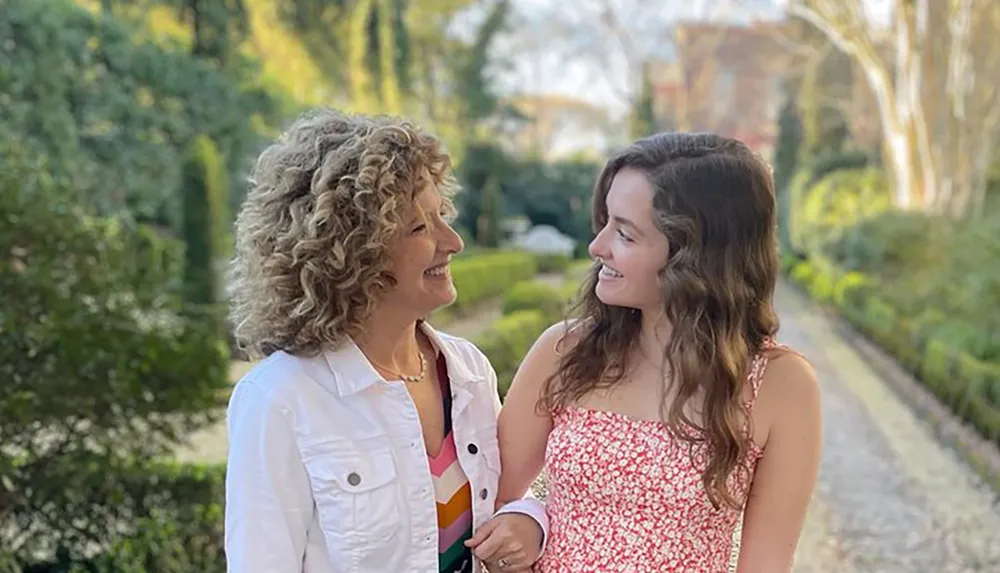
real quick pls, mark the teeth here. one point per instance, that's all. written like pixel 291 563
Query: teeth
pixel 437 271
pixel 606 270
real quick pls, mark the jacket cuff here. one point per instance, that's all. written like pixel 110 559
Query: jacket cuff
pixel 535 510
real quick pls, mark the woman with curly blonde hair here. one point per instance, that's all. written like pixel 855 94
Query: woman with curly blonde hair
pixel 364 441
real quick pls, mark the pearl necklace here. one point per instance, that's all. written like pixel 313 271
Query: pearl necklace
pixel 407 378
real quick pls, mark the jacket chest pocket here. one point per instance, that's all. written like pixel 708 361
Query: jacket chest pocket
pixel 357 493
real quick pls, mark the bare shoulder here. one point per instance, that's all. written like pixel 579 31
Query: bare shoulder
pixel 562 336
pixel 542 359
pixel 790 388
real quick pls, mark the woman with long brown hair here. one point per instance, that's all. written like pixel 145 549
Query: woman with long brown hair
pixel 668 410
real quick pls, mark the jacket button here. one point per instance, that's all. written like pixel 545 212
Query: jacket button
pixel 483 493
pixel 473 449
pixel 353 478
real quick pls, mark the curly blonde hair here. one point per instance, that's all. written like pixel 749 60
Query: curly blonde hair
pixel 312 237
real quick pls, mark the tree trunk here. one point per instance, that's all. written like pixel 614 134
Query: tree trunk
pixel 391 98
pixel 362 89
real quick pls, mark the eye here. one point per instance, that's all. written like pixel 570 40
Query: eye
pixel 419 229
pixel 623 236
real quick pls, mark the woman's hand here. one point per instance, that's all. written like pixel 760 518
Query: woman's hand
pixel 508 543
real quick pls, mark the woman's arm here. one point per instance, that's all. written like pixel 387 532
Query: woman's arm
pixel 268 498
pixel 786 474
pixel 523 435
pixel 523 431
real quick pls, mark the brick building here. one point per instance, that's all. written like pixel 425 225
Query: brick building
pixel 725 79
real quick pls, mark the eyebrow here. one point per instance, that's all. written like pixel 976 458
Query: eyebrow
pixel 627 223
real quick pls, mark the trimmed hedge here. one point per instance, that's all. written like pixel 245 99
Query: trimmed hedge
pixel 535 295
pixel 205 219
pixel 481 277
pixel 968 385
pixel 508 340
pixel 552 263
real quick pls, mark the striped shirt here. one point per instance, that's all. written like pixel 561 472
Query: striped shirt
pixel 452 493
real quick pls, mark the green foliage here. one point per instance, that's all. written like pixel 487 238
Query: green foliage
pixel 481 277
pixel 536 295
pixel 923 288
pixel 552 262
pixel 642 116
pixel 172 521
pixel 826 83
pixel 840 200
pixel 404 57
pixel 491 217
pixel 785 160
pixel 509 339
pixel 557 194
pixel 803 180
pixel 104 367
pixel 970 385
pixel 217 26
pixel 890 244
pixel 206 219
pixel 479 100
pixel 114 113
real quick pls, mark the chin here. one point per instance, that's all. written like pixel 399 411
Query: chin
pixel 442 299
pixel 610 298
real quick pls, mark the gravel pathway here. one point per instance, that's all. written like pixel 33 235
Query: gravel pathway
pixel 890 498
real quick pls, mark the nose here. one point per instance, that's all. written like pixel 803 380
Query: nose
pixel 598 248
pixel 449 240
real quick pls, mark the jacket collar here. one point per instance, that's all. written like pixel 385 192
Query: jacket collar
pixel 353 373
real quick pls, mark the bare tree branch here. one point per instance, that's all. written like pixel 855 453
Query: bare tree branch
pixel 938 110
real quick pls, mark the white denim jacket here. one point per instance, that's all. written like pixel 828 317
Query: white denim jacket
pixel 327 467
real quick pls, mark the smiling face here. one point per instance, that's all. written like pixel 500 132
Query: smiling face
pixel 633 251
pixel 420 258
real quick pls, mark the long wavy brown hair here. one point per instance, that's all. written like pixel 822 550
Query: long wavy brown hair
pixel 714 201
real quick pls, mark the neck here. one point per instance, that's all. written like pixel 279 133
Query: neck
pixel 390 342
pixel 654 335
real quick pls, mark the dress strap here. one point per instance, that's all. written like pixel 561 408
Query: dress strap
pixel 759 364
pixel 757 368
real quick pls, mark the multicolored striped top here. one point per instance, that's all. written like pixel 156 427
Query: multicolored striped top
pixel 452 493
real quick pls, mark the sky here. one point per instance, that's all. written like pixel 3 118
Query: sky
pixel 560 47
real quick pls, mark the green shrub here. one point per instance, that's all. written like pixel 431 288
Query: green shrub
pixel 535 295
pixel 485 276
pixel 508 340
pixel 968 384
pixel 579 270
pixel 552 263
pixel 803 180
pixel 206 220
pixel 888 245
pixel 837 202
pixel 832 161
pixel 175 522
pixel 104 366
